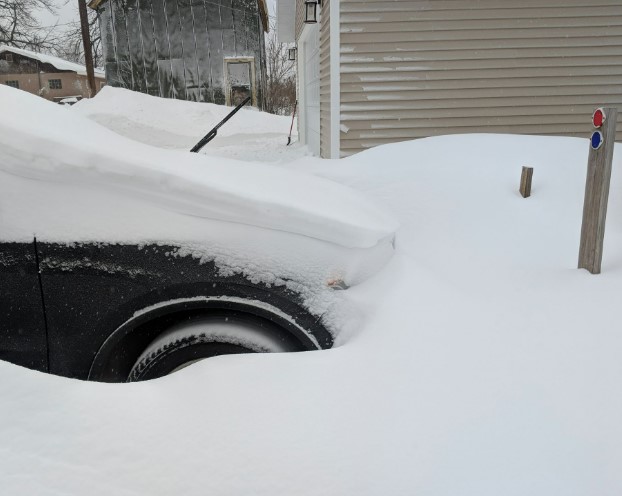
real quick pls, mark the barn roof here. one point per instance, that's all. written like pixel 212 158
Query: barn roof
pixel 263 11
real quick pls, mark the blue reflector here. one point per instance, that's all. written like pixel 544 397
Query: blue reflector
pixel 596 140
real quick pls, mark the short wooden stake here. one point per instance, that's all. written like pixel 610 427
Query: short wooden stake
pixel 525 182
pixel 597 195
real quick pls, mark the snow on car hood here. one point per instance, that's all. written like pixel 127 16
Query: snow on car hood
pixel 177 124
pixel 45 142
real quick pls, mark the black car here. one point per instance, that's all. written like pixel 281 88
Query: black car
pixel 111 312
pixel 121 261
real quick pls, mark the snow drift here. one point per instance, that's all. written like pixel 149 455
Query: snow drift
pixel 170 123
pixel 43 141
pixel 486 363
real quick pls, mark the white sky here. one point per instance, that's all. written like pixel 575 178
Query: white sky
pixel 67 12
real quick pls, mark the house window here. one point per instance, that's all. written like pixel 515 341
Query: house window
pixel 8 57
pixel 55 84
pixel 13 84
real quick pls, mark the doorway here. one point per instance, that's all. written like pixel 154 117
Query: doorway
pixel 240 80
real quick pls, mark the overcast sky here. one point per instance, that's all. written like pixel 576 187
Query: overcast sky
pixel 68 11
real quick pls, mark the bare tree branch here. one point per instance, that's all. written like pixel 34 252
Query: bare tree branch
pixel 20 28
pixel 71 48
pixel 281 83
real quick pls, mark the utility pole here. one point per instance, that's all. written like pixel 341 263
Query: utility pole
pixel 86 42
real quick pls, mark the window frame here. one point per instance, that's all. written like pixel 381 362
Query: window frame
pixel 253 88
pixel 60 84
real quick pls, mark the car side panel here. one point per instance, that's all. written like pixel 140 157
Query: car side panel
pixel 91 290
pixel 22 322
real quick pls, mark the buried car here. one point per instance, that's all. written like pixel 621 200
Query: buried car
pixel 120 261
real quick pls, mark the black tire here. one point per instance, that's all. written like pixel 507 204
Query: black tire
pixel 198 339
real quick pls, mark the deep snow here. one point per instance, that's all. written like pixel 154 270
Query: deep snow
pixel 250 135
pixel 485 362
pixel 66 179
pixel 43 141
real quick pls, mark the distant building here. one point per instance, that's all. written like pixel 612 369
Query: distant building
pixel 199 50
pixel 50 77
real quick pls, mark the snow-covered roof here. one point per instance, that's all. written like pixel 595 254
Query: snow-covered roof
pixel 60 64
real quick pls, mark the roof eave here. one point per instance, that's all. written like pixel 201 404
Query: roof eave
pixel 94 4
pixel 263 13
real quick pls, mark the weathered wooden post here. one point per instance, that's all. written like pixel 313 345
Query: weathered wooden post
pixel 525 182
pixel 602 142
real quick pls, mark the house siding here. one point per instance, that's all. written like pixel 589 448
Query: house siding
pixel 300 17
pixel 34 77
pixel 72 84
pixel 325 100
pixel 412 69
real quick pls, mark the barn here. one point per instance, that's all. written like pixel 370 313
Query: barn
pixel 198 50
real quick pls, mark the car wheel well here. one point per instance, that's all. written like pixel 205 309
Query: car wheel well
pixel 120 351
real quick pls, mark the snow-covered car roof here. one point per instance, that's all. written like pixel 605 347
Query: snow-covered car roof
pixel 41 141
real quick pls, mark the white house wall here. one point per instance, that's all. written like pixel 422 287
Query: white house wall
pixel 286 21
pixel 325 82
pixel 309 87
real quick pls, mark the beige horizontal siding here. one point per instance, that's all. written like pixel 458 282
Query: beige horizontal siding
pixel 435 6
pixel 415 68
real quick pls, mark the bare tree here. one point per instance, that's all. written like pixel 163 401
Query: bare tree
pixel 20 28
pixel 72 48
pixel 85 30
pixel 280 93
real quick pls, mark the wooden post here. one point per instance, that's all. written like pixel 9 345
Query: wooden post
pixel 525 182
pixel 597 191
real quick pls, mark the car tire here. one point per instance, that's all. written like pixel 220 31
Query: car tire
pixel 190 342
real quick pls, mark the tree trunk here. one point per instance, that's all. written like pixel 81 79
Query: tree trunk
pixel 86 41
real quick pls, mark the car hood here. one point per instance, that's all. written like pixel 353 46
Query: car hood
pixel 45 144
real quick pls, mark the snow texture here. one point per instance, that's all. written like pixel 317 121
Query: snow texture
pixel 249 135
pixel 74 153
pixel 485 363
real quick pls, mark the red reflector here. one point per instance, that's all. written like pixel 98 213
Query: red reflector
pixel 598 118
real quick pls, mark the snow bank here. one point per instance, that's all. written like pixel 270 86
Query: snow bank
pixel 180 124
pixel 486 365
pixel 40 141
